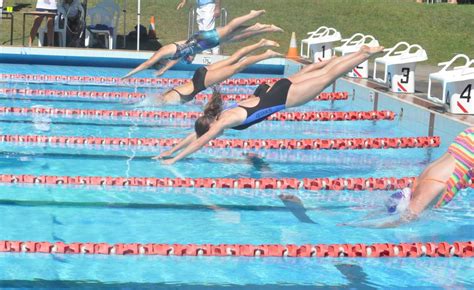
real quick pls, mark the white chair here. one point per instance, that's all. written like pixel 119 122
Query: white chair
pixel 455 80
pixel 59 29
pixel 322 35
pixel 399 66
pixel 104 19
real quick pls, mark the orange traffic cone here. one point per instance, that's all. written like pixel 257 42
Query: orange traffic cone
pixel 151 29
pixel 293 50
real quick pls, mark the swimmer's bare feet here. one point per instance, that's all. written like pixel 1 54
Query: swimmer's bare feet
pixel 259 26
pixel 274 28
pixel 271 53
pixel 160 72
pixel 257 12
pixel 265 43
pixel 369 51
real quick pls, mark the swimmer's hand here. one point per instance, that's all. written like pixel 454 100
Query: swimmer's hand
pixel 181 4
pixel 163 155
pixel 170 161
pixel 160 72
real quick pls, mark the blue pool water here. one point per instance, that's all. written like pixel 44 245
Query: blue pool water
pixel 179 215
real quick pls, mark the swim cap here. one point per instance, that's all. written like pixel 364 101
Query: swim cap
pixel 398 201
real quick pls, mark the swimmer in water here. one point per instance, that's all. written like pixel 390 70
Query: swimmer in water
pixel 212 74
pixel 286 93
pixel 202 40
pixel 438 183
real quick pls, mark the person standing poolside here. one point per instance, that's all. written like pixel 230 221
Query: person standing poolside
pixel 234 31
pixel 207 12
pixel 44 6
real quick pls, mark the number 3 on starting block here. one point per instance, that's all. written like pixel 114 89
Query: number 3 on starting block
pixel 463 103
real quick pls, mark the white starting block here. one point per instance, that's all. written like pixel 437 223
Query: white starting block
pixel 352 45
pixel 318 46
pixel 458 85
pixel 400 63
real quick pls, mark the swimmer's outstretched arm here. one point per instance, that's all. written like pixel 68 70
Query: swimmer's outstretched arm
pixel 167 66
pixel 214 132
pixel 404 218
pixel 181 144
pixel 166 51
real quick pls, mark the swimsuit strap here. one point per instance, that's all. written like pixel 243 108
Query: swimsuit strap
pixel 175 90
pixel 433 179
pixel 416 183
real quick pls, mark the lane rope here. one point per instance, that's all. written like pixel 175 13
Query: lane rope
pixel 336 96
pixel 287 144
pixel 280 116
pixel 356 184
pixel 377 250
pixel 116 81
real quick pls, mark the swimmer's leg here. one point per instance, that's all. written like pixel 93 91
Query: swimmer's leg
pixel 250 32
pixel 239 54
pixel 218 75
pixel 312 67
pixel 303 92
pixel 225 31
pixel 313 71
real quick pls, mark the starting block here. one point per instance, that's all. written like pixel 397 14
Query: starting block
pixel 352 45
pixel 318 46
pixel 458 85
pixel 399 66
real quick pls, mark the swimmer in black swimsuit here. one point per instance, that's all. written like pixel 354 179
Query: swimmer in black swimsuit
pixel 207 76
pixel 234 31
pixel 290 92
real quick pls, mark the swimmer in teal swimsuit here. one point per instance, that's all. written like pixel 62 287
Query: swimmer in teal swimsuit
pixel 286 93
pixel 234 31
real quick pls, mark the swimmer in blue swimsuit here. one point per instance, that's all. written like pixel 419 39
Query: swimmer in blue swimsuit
pixel 234 31
pixel 286 93
pixel 212 74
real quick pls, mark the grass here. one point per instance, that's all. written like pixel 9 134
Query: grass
pixel 442 29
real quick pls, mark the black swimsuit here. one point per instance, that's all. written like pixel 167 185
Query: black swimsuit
pixel 270 102
pixel 198 84
pixel 261 90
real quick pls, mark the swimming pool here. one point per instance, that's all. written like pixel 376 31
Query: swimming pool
pixel 117 214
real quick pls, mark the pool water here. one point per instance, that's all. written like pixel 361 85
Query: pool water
pixel 187 215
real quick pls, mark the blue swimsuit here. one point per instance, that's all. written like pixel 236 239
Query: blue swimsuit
pixel 270 102
pixel 197 43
